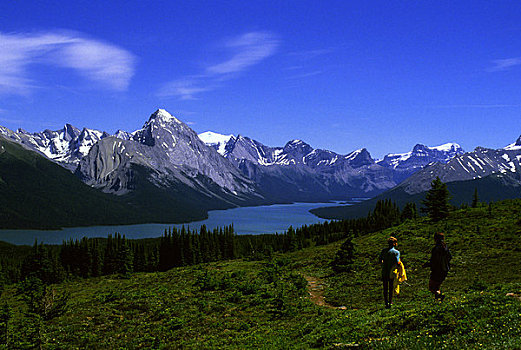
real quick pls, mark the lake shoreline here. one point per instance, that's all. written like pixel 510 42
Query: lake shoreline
pixel 273 218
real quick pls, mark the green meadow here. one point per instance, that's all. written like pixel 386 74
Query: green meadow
pixel 266 304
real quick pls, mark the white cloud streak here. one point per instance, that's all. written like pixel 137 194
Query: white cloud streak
pixel 186 88
pixel 244 52
pixel 310 54
pixel 95 60
pixel 504 64
pixel 247 50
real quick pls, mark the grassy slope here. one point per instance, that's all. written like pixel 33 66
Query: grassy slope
pixel 236 306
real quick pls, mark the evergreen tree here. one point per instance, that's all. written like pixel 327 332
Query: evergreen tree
pixel 409 211
pixel 109 256
pixel 97 259
pixel 475 199
pixel 436 202
pixel 43 265
pixel 165 252
pixel 139 254
pixel 5 317
pixel 124 258
pixel 343 260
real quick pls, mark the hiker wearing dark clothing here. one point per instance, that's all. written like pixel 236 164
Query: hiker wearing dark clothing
pixel 439 264
pixel 389 258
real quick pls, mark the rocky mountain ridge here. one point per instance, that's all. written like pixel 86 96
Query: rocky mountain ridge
pixel 302 172
pixel 66 146
pixel 480 163
pixel 231 167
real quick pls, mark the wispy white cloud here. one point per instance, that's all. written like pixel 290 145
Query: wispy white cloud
pixel 310 54
pixel 505 63
pixel 304 61
pixel 247 50
pixel 185 88
pixel 107 64
pixel 244 52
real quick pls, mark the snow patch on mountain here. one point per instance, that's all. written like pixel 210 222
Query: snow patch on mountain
pixel 215 140
pixel 447 147
pixel 516 146
pixel 66 146
pixel 421 156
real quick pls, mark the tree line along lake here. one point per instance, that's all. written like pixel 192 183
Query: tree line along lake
pixel 246 220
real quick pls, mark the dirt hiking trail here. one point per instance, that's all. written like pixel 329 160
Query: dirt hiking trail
pixel 316 289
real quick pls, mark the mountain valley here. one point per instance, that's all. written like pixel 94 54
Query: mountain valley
pixel 167 164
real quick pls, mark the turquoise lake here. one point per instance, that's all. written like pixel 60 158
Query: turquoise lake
pixel 246 220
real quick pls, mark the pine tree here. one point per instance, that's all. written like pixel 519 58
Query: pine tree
pixel 436 202
pixel 97 259
pixel 124 258
pixel 475 199
pixel 165 252
pixel 5 316
pixel 409 211
pixel 43 265
pixel 344 257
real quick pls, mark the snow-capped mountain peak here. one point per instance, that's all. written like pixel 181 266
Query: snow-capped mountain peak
pixel 124 135
pixel 359 158
pixel 354 154
pixel 215 140
pixel 421 155
pixel 298 145
pixel 516 146
pixel 161 127
pixel 164 116
pixel 447 147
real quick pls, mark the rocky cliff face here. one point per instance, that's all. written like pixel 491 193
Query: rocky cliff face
pixel 304 173
pixel 480 163
pixel 66 146
pixel 172 154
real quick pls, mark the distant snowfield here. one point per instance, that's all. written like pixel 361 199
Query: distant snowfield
pixel 213 139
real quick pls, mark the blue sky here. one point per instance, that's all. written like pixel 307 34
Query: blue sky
pixel 339 75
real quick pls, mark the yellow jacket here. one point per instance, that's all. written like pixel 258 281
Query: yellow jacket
pixel 399 275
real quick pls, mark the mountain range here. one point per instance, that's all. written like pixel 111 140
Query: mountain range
pixel 298 172
pixel 167 162
pixel 494 173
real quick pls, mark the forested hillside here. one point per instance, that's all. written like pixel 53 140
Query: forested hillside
pixel 263 300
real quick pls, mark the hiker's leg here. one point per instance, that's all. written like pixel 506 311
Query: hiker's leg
pixel 386 286
pixel 434 287
pixel 391 291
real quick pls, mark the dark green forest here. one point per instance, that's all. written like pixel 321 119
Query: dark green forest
pixel 93 257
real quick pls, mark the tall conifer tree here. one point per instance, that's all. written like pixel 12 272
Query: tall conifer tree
pixel 436 202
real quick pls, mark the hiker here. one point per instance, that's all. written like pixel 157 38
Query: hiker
pixel 389 258
pixel 439 264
